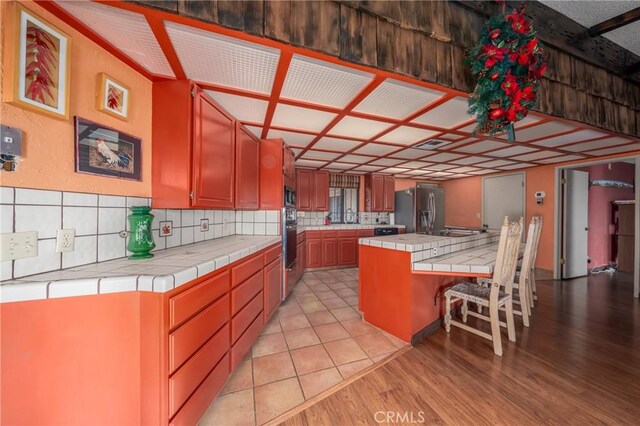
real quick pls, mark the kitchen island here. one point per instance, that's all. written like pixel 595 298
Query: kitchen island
pixel 403 277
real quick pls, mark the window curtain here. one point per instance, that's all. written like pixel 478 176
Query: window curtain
pixel 340 180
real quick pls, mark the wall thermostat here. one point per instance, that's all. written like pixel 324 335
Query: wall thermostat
pixel 539 197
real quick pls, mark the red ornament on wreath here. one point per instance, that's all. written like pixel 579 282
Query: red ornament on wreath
pixel 507 64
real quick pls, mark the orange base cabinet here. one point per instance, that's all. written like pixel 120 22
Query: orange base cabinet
pixel 129 358
pixel 314 250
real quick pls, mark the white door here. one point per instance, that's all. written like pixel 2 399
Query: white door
pixel 575 223
pixel 502 196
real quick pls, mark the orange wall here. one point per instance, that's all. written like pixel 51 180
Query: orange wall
pixel 48 143
pixel 463 202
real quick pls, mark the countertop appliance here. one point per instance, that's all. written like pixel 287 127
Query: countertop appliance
pixel 421 209
pixel 385 231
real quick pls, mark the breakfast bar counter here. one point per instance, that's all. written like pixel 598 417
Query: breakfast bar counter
pixel 402 277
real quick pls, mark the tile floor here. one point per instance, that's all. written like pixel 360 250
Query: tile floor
pixel 316 340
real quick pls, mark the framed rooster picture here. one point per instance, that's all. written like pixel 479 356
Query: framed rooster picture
pixel 41 75
pixel 101 150
pixel 113 97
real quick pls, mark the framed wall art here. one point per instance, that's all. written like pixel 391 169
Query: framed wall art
pixel 42 66
pixel 112 97
pixel 101 150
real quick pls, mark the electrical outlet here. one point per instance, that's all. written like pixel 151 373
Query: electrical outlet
pixel 18 245
pixel 435 251
pixel 65 240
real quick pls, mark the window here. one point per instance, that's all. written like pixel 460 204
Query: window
pixel 344 194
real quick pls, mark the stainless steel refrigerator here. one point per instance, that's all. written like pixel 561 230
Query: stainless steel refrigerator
pixel 420 209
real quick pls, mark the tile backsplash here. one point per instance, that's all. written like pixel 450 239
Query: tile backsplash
pixel 365 218
pixel 98 220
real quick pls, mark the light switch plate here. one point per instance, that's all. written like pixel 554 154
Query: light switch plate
pixel 18 245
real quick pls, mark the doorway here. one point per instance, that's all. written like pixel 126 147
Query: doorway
pixel 502 196
pixel 597 219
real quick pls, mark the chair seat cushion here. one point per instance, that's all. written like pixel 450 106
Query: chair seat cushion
pixel 474 293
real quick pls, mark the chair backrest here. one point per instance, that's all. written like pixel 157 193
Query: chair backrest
pixel 529 250
pixel 537 242
pixel 507 259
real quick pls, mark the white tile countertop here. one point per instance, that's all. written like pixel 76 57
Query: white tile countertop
pixel 337 227
pixel 167 270
pixel 478 260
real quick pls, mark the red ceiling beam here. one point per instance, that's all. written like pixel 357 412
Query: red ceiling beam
pixel 160 32
pixel 278 83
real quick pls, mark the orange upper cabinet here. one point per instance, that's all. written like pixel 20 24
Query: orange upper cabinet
pixel 389 194
pixel 379 193
pixel 304 189
pixel 247 169
pixel 288 167
pixel 193 149
pixel 321 191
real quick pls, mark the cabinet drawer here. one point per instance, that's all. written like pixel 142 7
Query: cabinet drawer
pixel 246 291
pixel 314 235
pixel 190 375
pixel 195 407
pixel 187 339
pixel 240 273
pixel 347 233
pixel 188 303
pixel 365 233
pixel 330 234
pixel 240 322
pixel 242 346
pixel 271 254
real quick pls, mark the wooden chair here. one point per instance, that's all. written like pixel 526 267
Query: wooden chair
pixel 533 296
pixel 492 297
pixel 521 297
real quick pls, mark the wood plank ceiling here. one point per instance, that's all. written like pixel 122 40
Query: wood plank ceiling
pixel 336 115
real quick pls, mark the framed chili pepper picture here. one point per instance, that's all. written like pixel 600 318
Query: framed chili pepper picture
pixel 42 67
pixel 112 97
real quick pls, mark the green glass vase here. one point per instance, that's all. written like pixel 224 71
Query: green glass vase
pixel 140 236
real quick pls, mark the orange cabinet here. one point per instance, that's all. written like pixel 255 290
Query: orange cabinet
pixel 276 171
pixel 289 160
pixel 314 253
pixel 193 161
pixel 379 193
pixel 247 156
pixel 329 251
pixel 272 287
pixel 347 249
pixel 320 191
pixel 304 189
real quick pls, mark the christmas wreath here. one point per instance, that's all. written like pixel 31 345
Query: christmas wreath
pixel 507 64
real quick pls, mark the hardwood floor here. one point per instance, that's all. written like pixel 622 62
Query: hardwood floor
pixel 578 363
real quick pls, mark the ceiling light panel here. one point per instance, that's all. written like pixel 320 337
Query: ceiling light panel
pixel 561 159
pixel 367 168
pixel 444 156
pixel 496 163
pixel 416 164
pixel 412 154
pixel 342 145
pixel 417 172
pixel 358 128
pixel 356 159
pixel 386 162
pixel 310 163
pixel 320 155
pixel 535 156
pixel 292 138
pixel 301 118
pixel 509 152
pixel 578 136
pixel 225 61
pixel 450 114
pixel 405 135
pixel 542 130
pixel 616 150
pixel 482 146
pixel 243 108
pixel 599 144
pixel 376 149
pixel 319 82
pixel 128 31
pixel 397 99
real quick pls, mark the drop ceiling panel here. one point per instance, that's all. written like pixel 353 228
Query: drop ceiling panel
pixel 440 167
pixel 509 152
pixel 542 130
pixel 386 162
pixel 416 172
pixel 356 159
pixel 616 150
pixel 396 99
pixel 463 169
pixel 341 145
pixel 496 163
pixel 444 156
pixel 394 170
pixel 599 144
pixel 416 165
pixel 482 146
pixel 484 172
pixel 339 166
pixel 375 149
pixel 516 166
pixel 324 83
pixel 367 168
pixel 358 128
pixel 301 118
pixel 412 154
pixel 450 114
pixel 440 174
pixel 319 155
pixel 580 135
pixel 127 31
pixel 310 163
pixel 627 36
pixel 406 135
pixel 257 131
pixel 291 138
pixel 560 159
pixel 590 13
pixel 222 60
pixel 243 108
pixel 536 156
